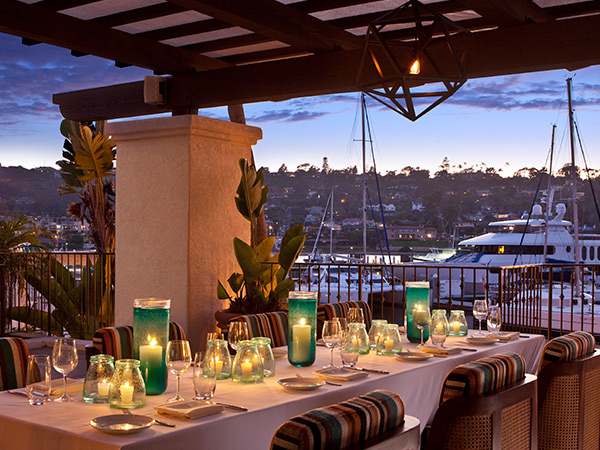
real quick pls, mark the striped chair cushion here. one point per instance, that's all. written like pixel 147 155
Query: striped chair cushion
pixel 483 375
pixel 118 341
pixel 115 341
pixel 342 425
pixel 273 325
pixel 13 363
pixel 330 310
pixel 571 346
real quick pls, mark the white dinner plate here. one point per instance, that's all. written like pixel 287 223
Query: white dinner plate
pixel 121 424
pixel 301 384
pixel 481 340
pixel 413 356
pixel 279 353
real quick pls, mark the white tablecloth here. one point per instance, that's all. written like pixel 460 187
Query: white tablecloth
pixel 66 426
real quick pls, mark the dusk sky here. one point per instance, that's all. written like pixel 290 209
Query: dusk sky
pixel 502 122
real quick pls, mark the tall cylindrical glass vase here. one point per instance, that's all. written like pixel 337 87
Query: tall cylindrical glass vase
pixel 417 294
pixel 302 328
pixel 150 339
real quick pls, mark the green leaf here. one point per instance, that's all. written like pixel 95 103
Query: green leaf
pixel 222 292
pixel 284 287
pixel 247 259
pixel 236 282
pixel 264 249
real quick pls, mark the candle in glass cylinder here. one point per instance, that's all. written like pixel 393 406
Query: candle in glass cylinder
pixel 301 336
pixel 151 361
pixel 389 345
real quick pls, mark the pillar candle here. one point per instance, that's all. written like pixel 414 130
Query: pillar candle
pixel 389 345
pixel 103 386
pixel 151 362
pixel 456 327
pixel 126 393
pixel 218 366
pixel 301 337
pixel 246 369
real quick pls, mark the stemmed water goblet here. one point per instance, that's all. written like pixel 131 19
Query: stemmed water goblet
pixel 480 311
pixel 356 315
pixel 179 359
pixel 64 360
pixel 421 318
pixel 238 331
pixel 332 331
pixel 494 319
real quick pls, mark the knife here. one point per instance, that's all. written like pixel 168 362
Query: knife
pixel 227 405
pixel 363 369
pixel 468 349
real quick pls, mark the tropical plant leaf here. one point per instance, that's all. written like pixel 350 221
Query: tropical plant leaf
pixel 284 287
pixel 247 259
pixel 36 318
pixel 222 292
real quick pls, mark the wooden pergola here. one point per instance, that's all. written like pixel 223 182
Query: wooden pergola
pixel 232 52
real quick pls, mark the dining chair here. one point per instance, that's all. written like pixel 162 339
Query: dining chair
pixel 13 363
pixel 375 420
pixel 489 403
pixel 569 393
pixel 273 325
pixel 118 341
pixel 328 311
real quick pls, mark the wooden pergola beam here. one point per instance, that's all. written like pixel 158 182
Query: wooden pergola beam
pixel 565 44
pixel 40 24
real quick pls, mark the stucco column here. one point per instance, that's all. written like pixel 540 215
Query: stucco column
pixel 176 215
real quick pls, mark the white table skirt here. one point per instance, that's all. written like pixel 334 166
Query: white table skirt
pixel 66 426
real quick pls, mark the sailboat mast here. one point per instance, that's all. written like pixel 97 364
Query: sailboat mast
pixel 573 175
pixel 549 195
pixel 364 186
pixel 331 227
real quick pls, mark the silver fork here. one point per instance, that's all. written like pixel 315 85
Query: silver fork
pixel 160 422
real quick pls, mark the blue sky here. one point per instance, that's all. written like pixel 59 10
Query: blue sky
pixel 502 122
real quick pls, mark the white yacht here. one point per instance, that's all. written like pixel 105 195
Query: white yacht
pixel 528 240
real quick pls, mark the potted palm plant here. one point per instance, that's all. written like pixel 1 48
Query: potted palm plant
pixel 264 279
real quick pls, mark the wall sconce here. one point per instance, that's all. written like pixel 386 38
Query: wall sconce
pixel 413 59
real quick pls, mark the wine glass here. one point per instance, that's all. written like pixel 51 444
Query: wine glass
pixel 421 317
pixel 238 331
pixel 179 359
pixel 494 318
pixel 331 336
pixel 205 381
pixel 64 360
pixel 356 315
pixel 480 311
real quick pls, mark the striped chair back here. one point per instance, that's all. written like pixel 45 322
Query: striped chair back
pixel 489 403
pixel 273 325
pixel 118 341
pixel 115 341
pixel 350 424
pixel 13 363
pixel 328 311
pixel 483 375
pixel 569 347
pixel 569 393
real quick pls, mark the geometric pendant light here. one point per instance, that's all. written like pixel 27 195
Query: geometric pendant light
pixel 413 59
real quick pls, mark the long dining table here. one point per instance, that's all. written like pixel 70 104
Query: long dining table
pixel 67 425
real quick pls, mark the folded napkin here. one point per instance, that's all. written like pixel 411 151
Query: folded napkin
pixel 190 409
pixel 505 335
pixel 440 350
pixel 339 374
pixel 73 387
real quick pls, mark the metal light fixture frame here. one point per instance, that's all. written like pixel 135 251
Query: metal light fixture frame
pixel 440 45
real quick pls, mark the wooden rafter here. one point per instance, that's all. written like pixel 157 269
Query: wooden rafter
pixel 39 24
pixel 568 44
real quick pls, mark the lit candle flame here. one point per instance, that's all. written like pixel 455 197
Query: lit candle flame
pixel 152 342
pixel 303 321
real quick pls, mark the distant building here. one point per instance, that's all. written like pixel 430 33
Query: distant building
pixel 411 232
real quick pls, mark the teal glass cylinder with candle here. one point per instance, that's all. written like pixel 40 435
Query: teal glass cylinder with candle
pixel 150 338
pixel 302 328
pixel 417 295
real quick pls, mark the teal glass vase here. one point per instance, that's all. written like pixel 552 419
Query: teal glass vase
pixel 302 328
pixel 417 294
pixel 150 338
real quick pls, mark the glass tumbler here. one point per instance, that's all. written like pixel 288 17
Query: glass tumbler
pixel 38 379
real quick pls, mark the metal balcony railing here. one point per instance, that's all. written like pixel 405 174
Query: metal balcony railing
pixel 56 293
